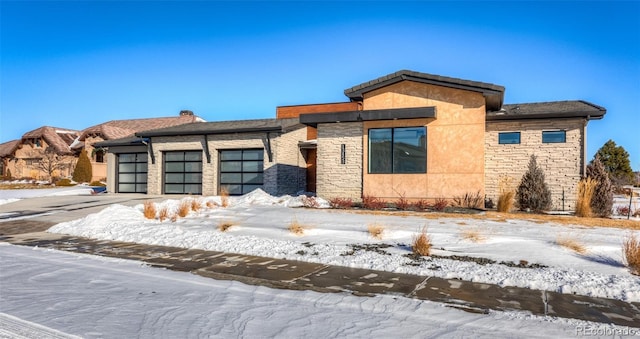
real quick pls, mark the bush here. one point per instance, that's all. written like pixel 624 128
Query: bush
pixel 440 204
pixel 505 201
pixel 310 202
pixel 372 203
pixel 295 227
pixel 83 171
pixel 64 182
pixel 420 205
pixel 622 210
pixel 602 201
pixel 422 243
pixel 184 208
pixel 341 203
pixel 163 214
pixel 402 203
pixel 631 251
pixel 533 193
pixel 149 210
pixel 586 188
pixel 468 200
pixel 375 230
pixel 97 183
pixel 196 205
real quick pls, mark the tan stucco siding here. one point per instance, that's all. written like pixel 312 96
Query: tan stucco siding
pixel 562 162
pixel 25 163
pixel 335 179
pixel 455 151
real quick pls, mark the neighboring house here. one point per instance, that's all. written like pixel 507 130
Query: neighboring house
pixel 407 134
pixel 116 129
pixel 38 152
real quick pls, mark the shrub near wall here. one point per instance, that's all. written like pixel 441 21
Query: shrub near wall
pixel 83 171
pixel 533 193
pixel 602 201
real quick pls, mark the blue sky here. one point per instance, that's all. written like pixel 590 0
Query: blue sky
pixel 74 64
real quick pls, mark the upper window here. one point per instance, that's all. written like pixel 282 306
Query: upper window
pixel 398 150
pixel 549 137
pixel 509 138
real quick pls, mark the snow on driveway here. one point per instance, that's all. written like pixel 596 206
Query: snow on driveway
pixel 9 196
pixel 96 297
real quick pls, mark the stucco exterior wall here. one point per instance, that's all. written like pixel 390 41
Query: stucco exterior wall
pixel 562 163
pixel 333 178
pixel 455 151
pixel 98 169
pixel 26 158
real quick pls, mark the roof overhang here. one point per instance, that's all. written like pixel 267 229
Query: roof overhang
pixel 493 94
pixel 368 115
pixel 209 132
pixel 493 116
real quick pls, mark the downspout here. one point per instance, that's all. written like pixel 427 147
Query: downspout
pixel 269 153
pixel 584 148
pixel 207 152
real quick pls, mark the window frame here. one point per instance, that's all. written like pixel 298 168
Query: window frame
pixel 500 134
pixel 552 134
pixel 241 171
pixel 184 172
pixel 392 167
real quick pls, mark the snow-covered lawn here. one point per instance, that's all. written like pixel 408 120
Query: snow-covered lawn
pixel 11 195
pixel 96 297
pixel 260 227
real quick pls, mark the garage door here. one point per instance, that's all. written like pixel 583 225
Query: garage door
pixel 241 171
pixel 132 173
pixel 183 172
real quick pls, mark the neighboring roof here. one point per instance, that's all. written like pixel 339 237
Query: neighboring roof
pixel 314 119
pixel 7 148
pixel 225 127
pixel 116 129
pixel 58 138
pixel 494 94
pixel 545 110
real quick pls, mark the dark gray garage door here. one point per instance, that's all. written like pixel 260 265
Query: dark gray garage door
pixel 241 171
pixel 183 172
pixel 132 173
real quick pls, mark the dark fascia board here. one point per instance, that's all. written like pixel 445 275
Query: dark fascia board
pixel 131 141
pixel 210 132
pixel 313 119
pixel 494 116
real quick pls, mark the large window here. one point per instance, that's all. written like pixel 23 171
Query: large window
pixel 509 138
pixel 241 171
pixel 183 172
pixel 549 137
pixel 398 150
pixel 132 173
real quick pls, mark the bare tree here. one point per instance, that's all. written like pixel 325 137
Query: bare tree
pixel 51 162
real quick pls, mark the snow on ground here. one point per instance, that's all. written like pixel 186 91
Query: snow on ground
pixel 96 297
pixel 260 224
pixel 9 196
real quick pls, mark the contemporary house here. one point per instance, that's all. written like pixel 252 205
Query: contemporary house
pixel 409 134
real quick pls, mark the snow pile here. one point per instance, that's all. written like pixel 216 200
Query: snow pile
pixel 9 196
pixel 260 227
pixel 261 198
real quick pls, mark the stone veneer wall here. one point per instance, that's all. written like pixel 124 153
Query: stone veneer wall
pixel 335 179
pixel 562 162
pixel 283 175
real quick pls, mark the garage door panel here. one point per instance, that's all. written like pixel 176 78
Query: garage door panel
pixel 241 171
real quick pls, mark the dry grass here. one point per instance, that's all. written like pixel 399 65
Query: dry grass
pixel 421 244
pixel 586 187
pixel 473 235
pixel 163 214
pixel 571 243
pixel 224 196
pixel 296 227
pixel 507 190
pixel 196 205
pixel 184 208
pixel 376 230
pixel 631 253
pixel 225 225
pixel 211 204
pixel 174 218
pixel 149 210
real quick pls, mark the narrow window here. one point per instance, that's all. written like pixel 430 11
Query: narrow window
pixel 550 137
pixel 398 150
pixel 509 138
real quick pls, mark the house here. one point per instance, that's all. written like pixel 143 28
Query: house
pixel 24 158
pixel 116 129
pixel 407 134
pixel 40 154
